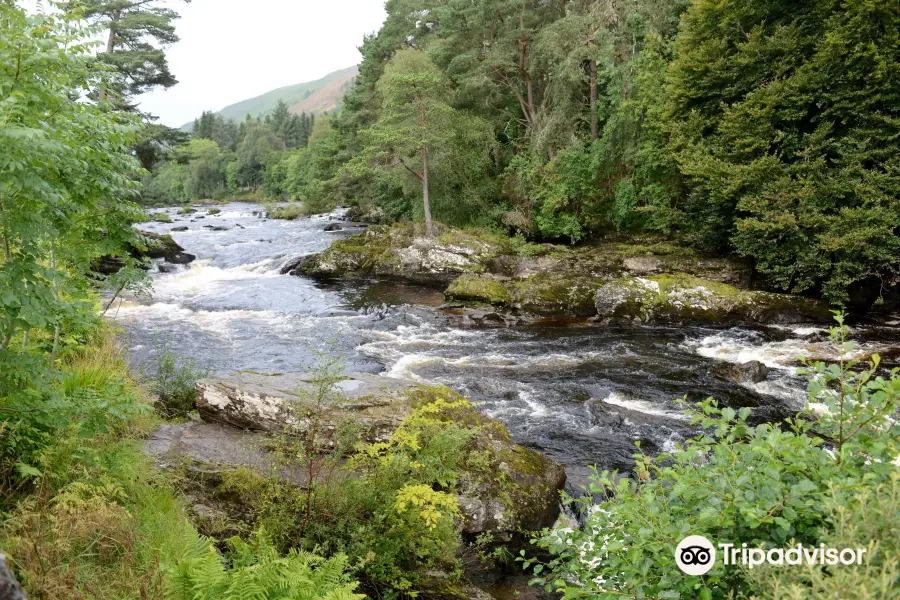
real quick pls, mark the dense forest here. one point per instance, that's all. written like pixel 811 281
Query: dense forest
pixel 766 129
pixel 762 128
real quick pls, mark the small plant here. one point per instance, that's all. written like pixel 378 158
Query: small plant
pixel 174 384
pixel 256 570
pixel 162 217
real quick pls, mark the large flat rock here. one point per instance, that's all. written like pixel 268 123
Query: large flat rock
pixel 278 402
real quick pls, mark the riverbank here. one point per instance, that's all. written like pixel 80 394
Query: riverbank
pixel 635 281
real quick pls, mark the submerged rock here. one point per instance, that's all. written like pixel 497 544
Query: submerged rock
pixel 332 227
pixel 681 298
pixel 180 228
pixel 748 372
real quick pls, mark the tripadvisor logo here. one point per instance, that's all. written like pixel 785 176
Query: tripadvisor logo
pixel 696 555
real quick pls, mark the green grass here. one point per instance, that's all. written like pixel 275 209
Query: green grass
pixel 100 521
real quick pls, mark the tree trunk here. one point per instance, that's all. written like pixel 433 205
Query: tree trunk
pixel 111 42
pixel 429 230
pixel 594 129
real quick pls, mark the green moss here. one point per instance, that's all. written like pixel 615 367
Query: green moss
pixel 556 293
pixel 287 213
pixel 214 211
pixel 479 288
pixel 162 218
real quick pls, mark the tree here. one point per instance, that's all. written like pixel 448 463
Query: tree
pixel 784 120
pixel 66 187
pixel 256 149
pixel 417 124
pixel 138 32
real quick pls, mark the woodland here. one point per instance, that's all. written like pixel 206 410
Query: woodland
pixel 763 129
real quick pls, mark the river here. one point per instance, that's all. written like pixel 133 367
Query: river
pixel 580 393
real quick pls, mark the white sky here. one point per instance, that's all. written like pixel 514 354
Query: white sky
pixel 231 50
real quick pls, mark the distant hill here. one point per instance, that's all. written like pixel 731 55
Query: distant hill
pixel 317 97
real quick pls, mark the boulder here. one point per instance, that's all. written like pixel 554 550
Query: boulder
pixel 332 227
pixel 271 403
pixel 215 227
pixel 180 228
pixel 682 298
pixel 403 251
pixel 162 246
pixel 748 372
pixel 546 293
pixel 9 587
pixel 518 491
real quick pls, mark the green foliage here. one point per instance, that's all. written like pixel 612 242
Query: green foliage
pixel 131 30
pixel 867 518
pixel 785 129
pixel 174 383
pixel 65 202
pixel 768 485
pixel 256 570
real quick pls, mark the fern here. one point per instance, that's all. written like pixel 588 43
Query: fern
pixel 258 572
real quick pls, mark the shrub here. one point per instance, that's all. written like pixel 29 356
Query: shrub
pixel 770 486
pixel 174 384
pixel 288 212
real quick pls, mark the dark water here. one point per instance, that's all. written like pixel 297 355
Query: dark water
pixel 580 393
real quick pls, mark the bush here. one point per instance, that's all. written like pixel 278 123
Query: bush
pixel 769 486
pixel 289 212
pixel 175 382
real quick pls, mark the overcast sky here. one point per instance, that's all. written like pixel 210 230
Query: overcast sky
pixel 231 50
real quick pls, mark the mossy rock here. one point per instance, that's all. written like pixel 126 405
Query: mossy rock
pixel 480 288
pixel 402 250
pixel 542 294
pixel 680 298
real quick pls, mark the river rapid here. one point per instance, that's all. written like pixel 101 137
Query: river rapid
pixel 580 393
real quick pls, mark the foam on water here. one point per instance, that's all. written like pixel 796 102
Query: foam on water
pixel 641 406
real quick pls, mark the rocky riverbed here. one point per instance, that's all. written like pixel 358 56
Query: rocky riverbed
pixel 579 353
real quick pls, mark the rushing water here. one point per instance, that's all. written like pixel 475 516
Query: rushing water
pixel 580 393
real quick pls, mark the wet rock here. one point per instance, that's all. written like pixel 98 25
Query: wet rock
pixel 154 245
pixel 485 504
pixel 681 298
pixel 291 267
pixel 166 268
pixel 748 372
pixel 213 212
pixel 180 228
pixel 332 227
pixel 215 227
pixel 9 587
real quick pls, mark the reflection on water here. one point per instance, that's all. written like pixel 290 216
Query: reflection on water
pixel 583 394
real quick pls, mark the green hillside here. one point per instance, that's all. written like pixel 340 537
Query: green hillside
pixel 315 97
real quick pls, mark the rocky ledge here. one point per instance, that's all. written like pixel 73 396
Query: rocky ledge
pixel 243 414
pixel 644 280
pixel 149 245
